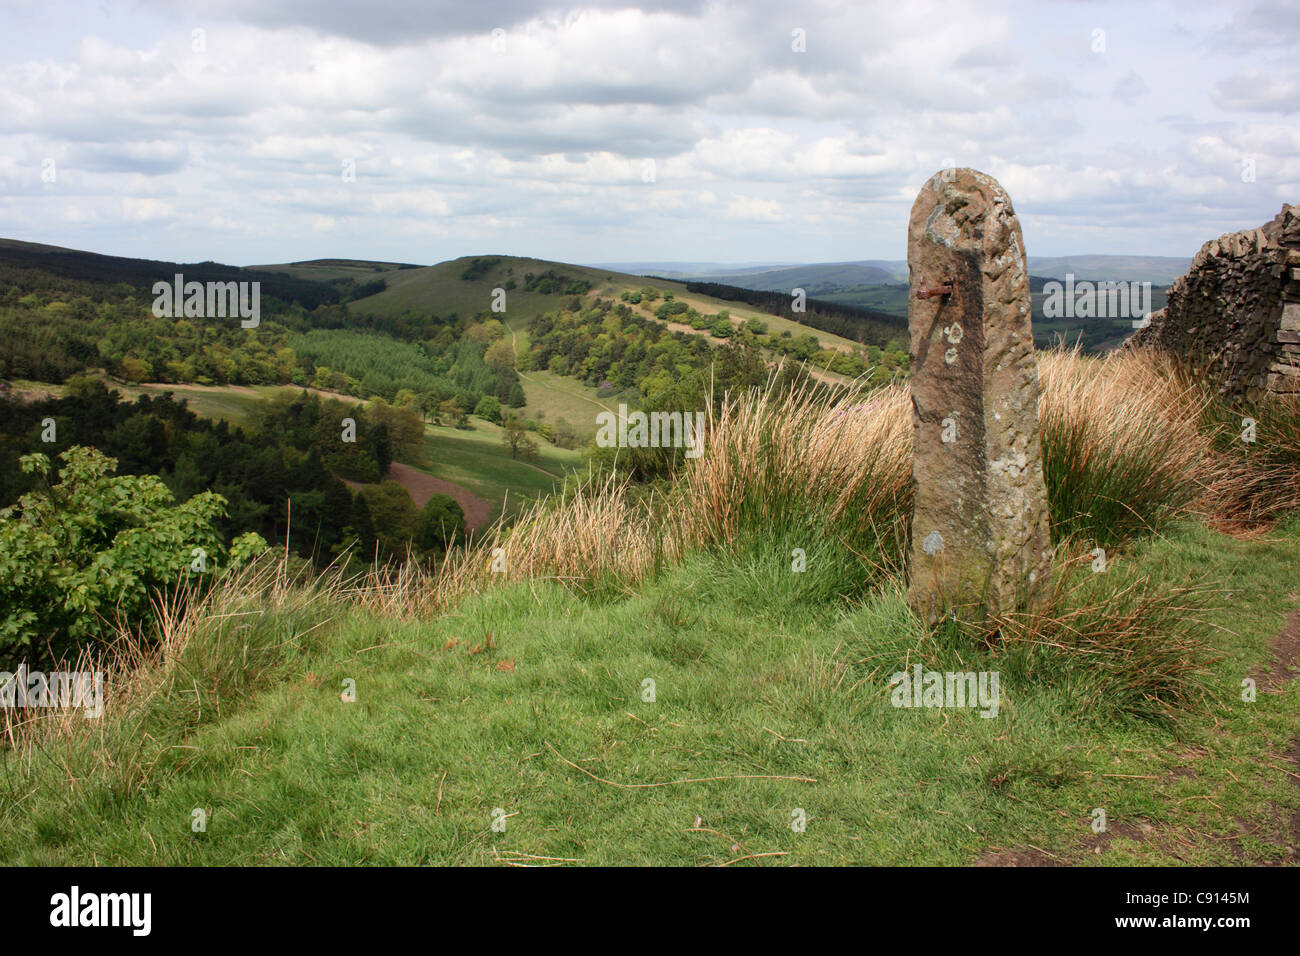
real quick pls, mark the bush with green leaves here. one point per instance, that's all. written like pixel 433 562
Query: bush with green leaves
pixel 93 549
pixel 488 408
pixel 442 523
pixel 394 515
pixel 670 309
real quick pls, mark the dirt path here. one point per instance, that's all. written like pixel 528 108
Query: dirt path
pixel 423 486
pixel 1286 654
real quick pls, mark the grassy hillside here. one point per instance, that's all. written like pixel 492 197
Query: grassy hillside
pixel 553 398
pixel 526 706
pixel 478 460
pixel 876 285
pixel 232 404
pixel 441 290
pixel 652 681
pixel 81 272
pixel 474 458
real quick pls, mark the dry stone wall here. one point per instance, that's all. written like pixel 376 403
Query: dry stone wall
pixel 1236 314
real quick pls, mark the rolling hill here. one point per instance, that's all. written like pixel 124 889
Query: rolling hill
pixel 323 270
pixel 881 286
pixel 448 288
pixel 88 272
pixel 1158 270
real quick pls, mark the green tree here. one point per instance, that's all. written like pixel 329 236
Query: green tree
pixel 395 515
pixel 362 527
pixel 517 440
pixel 490 408
pixel 404 429
pixel 451 412
pixel 94 548
pixel 500 354
pixel 134 369
pixel 442 523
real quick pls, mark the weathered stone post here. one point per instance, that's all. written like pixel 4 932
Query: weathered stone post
pixel 980 526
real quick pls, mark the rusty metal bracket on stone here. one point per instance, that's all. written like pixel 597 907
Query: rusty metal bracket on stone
pixel 931 292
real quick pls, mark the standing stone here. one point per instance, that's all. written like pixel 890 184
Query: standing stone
pixel 980 529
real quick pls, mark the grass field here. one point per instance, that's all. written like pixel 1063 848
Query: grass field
pixel 231 403
pixel 554 397
pixel 479 461
pixel 528 708
pixel 776 324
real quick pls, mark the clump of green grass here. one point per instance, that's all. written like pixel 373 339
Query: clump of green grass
pixel 1116 644
pixel 802 471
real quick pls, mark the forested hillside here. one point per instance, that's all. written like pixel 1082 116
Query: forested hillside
pixel 351 368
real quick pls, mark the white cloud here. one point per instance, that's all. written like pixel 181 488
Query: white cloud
pixel 753 209
pixel 146 210
pixel 1260 90
pixel 235 151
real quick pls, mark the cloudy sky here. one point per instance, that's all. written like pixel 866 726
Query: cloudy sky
pixel 705 131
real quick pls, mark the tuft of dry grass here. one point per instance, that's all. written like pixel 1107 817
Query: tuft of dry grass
pixel 797 464
pixel 771 464
pixel 1122 450
pixel 1253 483
pixel 595 530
